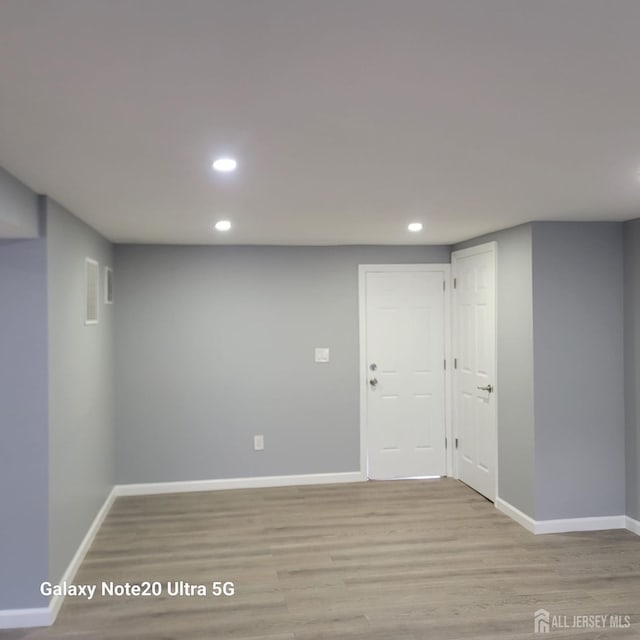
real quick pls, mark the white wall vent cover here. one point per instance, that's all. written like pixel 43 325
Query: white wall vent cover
pixel 91 293
pixel 108 285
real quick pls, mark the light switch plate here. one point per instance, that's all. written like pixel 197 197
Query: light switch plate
pixel 322 354
pixel 258 443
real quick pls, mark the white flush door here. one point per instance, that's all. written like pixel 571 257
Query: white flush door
pixel 405 371
pixel 474 404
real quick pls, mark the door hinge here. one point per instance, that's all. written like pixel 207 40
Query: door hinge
pixel 455 363
pixel 456 443
pixel 445 365
pixel 446 443
pixel 444 285
pixel 455 283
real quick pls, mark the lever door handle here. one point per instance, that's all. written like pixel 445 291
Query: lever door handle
pixel 488 388
pixel 373 382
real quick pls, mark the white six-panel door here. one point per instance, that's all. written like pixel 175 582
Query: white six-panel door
pixel 474 403
pixel 404 370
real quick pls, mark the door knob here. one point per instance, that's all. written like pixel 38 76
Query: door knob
pixel 373 382
pixel 488 388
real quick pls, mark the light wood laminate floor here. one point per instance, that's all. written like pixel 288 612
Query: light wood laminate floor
pixel 402 560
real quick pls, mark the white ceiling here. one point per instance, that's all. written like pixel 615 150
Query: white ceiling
pixel 349 118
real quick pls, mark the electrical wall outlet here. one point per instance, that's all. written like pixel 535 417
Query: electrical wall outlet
pixel 258 443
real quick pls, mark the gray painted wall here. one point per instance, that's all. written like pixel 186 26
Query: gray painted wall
pixel 579 369
pixel 632 364
pixel 18 208
pixel 81 387
pixel 514 328
pixel 215 344
pixel 23 422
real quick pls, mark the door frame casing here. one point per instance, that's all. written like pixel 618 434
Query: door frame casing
pixel 363 270
pixel 469 251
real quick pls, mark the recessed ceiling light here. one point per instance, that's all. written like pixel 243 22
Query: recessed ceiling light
pixel 223 225
pixel 225 165
pixel 415 226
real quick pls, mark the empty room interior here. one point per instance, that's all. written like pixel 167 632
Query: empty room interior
pixel 319 319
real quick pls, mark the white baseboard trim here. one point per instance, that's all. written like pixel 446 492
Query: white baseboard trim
pixel 633 525
pixel 151 488
pixel 22 618
pixel 46 616
pixel 566 525
pixel 76 561
pixel 515 514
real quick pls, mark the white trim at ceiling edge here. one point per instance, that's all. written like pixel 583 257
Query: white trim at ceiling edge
pixel 152 488
pixel 46 616
pixel 567 525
